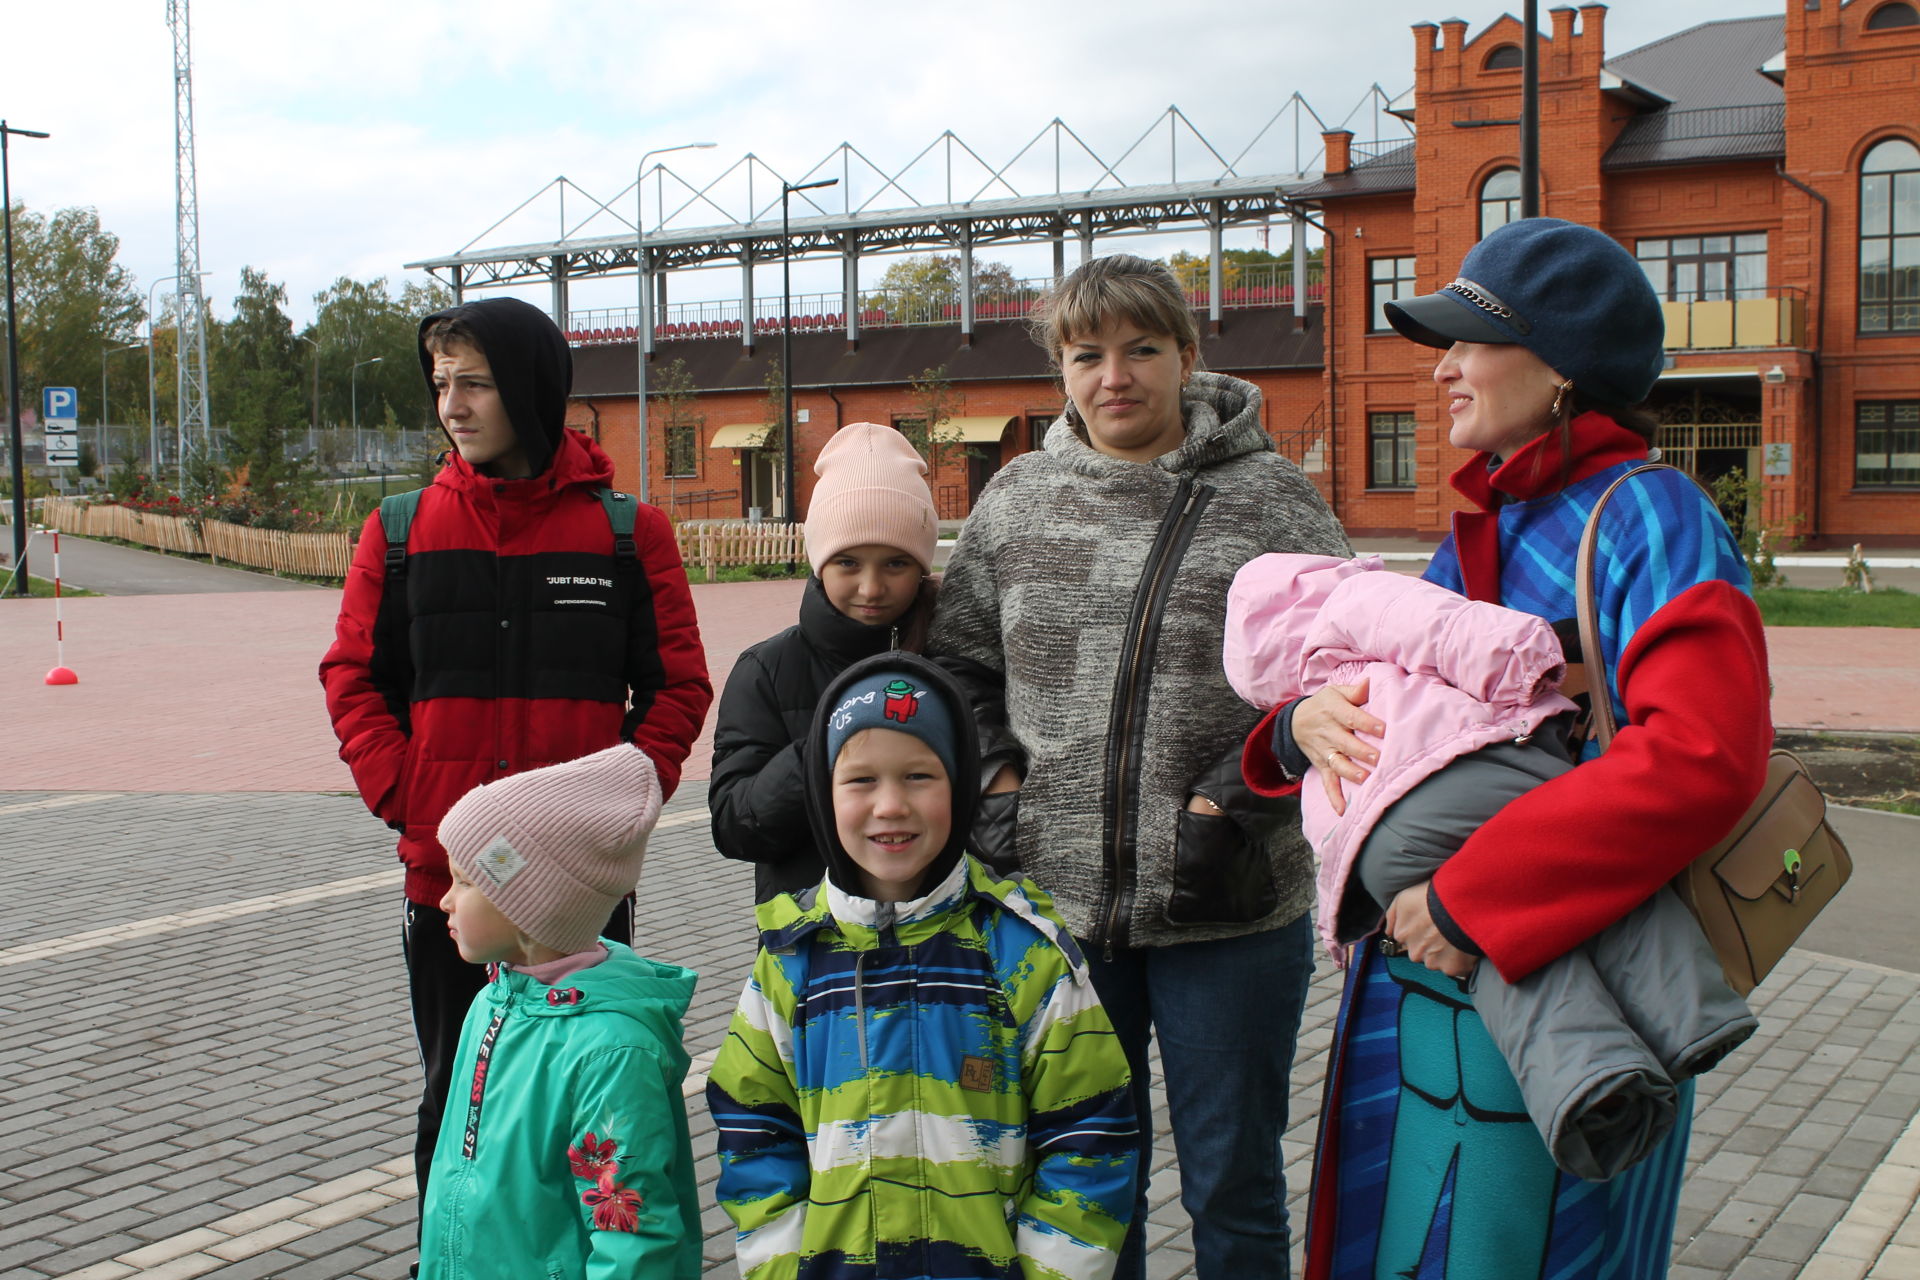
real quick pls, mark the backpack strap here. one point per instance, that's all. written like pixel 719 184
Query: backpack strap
pixel 621 509
pixel 396 519
pixel 392 668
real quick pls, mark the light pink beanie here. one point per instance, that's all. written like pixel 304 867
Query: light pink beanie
pixel 556 848
pixel 872 490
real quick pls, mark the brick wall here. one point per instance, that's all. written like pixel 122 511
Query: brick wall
pixel 1846 89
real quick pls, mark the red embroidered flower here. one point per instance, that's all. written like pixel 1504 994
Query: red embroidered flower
pixel 615 1208
pixel 593 1159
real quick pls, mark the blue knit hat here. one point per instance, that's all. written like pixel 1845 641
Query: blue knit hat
pixel 893 699
pixel 1567 293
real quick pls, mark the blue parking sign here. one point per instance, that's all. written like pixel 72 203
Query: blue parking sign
pixel 59 402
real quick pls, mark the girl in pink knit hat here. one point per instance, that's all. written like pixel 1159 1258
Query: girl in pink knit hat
pixel 871 530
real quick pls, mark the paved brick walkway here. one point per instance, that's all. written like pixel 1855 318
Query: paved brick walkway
pixel 208 1068
pixel 213 1073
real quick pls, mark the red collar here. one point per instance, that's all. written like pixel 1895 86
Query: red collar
pixel 1534 470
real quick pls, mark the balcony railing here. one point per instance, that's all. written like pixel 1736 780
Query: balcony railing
pixel 1776 320
pixel 1265 284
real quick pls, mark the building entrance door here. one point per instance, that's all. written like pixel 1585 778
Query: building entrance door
pixel 760 484
pixel 1708 433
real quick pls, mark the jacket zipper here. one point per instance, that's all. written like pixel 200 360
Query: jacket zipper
pixel 477 1093
pixel 1189 498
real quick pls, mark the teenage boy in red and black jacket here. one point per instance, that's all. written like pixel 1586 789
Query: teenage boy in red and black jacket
pixel 516 634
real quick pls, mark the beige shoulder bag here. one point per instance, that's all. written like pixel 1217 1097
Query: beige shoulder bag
pixel 1756 891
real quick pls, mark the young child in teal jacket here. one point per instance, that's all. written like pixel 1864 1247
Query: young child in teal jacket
pixel 565 1152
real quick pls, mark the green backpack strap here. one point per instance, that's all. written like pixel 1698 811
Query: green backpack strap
pixel 621 509
pixel 396 519
pixel 392 665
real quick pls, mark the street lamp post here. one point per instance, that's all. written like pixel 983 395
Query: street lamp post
pixel 21 585
pixel 104 353
pixel 153 411
pixel 643 335
pixel 313 416
pixel 786 350
pixel 353 394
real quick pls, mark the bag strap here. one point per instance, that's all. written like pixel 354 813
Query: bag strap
pixel 1600 721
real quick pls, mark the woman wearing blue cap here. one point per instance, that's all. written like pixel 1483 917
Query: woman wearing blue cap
pixel 1428 1165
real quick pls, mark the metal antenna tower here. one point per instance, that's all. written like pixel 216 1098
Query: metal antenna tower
pixel 190 348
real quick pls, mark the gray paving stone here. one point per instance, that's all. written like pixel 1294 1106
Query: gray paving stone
pixel 230 1084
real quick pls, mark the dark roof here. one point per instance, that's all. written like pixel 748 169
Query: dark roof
pixel 1703 135
pixel 1389 171
pixel 1719 106
pixel 1250 340
pixel 1716 64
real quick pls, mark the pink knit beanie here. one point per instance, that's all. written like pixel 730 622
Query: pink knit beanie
pixel 872 490
pixel 556 848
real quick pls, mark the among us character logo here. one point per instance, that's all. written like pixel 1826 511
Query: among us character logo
pixel 903 701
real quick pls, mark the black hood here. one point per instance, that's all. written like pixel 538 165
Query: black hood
pixel 819 778
pixel 532 366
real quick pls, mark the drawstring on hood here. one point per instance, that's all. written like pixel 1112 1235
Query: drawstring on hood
pixel 532 368
pixel 964 779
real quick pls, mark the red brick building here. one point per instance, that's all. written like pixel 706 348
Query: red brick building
pixel 1766 172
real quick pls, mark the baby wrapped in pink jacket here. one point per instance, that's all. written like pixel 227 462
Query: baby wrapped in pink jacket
pixel 1469 692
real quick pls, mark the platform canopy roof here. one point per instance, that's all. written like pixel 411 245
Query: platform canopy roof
pixel 1171 178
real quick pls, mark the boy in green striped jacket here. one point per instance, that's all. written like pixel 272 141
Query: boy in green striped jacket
pixel 919 1080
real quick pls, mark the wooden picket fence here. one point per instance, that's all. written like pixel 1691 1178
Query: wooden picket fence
pixel 148 528
pixel 722 544
pixel 706 547
pixel 312 555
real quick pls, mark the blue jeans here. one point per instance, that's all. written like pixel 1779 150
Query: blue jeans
pixel 1226 1014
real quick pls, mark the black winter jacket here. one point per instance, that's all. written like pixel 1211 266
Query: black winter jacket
pixel 757 791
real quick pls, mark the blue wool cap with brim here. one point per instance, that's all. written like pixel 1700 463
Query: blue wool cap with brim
pixel 1569 294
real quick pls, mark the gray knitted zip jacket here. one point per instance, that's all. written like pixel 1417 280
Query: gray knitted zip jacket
pixel 1083 609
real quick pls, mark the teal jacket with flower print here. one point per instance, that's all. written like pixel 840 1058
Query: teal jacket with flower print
pixel 565 1149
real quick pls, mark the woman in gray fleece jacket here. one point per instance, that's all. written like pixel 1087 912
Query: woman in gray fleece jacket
pixel 1084 608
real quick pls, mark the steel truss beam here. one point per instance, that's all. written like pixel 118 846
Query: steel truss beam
pixel 992 210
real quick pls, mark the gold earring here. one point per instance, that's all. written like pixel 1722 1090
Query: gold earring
pixel 1559 397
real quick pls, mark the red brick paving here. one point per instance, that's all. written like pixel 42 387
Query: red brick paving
pixel 218 692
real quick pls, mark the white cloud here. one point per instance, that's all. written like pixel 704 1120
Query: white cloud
pixel 357 136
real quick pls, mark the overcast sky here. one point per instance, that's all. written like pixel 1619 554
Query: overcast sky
pixel 352 137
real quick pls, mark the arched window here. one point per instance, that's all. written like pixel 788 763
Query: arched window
pixel 1499 200
pixel 1507 58
pixel 1890 238
pixel 1889 16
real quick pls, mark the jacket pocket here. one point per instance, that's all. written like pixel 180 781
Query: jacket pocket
pixel 1219 875
pixel 995 821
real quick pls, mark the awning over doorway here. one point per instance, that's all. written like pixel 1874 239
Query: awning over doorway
pixel 975 430
pixel 741 435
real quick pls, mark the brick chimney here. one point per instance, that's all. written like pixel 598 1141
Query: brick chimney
pixel 1339 149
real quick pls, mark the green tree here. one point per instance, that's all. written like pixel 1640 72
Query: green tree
pixel 357 321
pixel 928 428
pixel 923 284
pixel 773 409
pixel 676 406
pixel 258 385
pixel 1191 268
pixel 73 299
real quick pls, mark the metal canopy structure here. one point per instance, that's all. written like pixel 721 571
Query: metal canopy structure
pixel 1054 189
pixel 1128 210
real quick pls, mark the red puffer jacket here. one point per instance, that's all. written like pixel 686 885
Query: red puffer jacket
pixel 521 642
